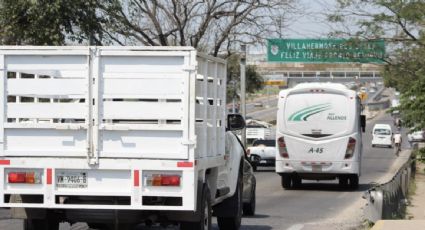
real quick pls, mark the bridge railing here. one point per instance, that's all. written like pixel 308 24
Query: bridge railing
pixel 326 74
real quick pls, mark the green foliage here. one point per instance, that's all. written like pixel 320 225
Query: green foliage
pixel 402 25
pixel 420 154
pixel 49 22
pixel 254 81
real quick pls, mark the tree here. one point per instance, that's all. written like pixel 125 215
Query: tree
pixel 49 22
pixel 402 25
pixel 212 26
pixel 254 81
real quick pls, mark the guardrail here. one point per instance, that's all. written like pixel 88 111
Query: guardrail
pixel 377 95
pixel 375 103
pixel 389 200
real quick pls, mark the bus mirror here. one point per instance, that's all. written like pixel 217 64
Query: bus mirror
pixel 363 122
pixel 235 122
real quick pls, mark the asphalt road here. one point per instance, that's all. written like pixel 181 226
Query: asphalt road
pixel 316 205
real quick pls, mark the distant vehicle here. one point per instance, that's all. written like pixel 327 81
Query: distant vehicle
pixel 258 104
pixel 262 153
pixel 382 135
pixel 319 134
pixel 397 93
pixel 416 136
pixel 380 83
pixel 394 104
pixel 372 90
pixel 256 130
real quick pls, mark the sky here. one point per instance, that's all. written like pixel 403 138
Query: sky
pixel 312 24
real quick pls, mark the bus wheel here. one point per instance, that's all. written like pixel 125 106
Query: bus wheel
pixel 296 181
pixel 343 181
pixel 354 181
pixel 286 181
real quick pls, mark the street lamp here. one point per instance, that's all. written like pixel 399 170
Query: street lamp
pixel 233 82
pixel 243 76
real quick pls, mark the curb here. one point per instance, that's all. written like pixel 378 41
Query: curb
pixel 399 224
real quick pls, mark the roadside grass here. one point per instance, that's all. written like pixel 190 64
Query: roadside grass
pixel 366 225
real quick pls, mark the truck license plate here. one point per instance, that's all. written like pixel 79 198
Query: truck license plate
pixel 71 180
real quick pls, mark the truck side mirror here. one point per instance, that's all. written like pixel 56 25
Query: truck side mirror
pixel 235 122
pixel 363 122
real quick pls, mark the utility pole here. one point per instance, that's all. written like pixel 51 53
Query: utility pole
pixel 243 87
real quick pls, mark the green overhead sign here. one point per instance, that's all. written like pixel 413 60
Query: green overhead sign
pixel 325 50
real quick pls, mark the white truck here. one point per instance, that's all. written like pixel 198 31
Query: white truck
pixel 319 134
pixel 118 136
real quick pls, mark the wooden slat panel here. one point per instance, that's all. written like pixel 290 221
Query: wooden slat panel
pixel 160 87
pixel 52 65
pixel 200 143
pixel 142 64
pixel 199 111
pixel 47 110
pixel 47 87
pixel 142 110
pixel 199 88
pixel 143 143
pixel 46 142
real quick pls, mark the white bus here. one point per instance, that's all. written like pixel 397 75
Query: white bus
pixel 319 134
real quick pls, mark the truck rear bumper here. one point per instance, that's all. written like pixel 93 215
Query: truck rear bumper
pixel 334 167
pixel 118 184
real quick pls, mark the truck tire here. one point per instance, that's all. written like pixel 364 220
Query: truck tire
pixel 204 207
pixel 37 224
pixel 249 208
pixel 233 222
pixel 286 181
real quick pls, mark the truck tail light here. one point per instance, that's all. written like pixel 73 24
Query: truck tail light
pixel 351 146
pixel 23 178
pixel 282 147
pixel 162 180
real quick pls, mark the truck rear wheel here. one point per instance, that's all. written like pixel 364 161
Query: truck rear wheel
pixel 233 222
pixel 204 207
pixel 45 224
pixel 249 208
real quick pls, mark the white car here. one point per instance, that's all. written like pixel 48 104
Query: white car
pixel 382 135
pixel 262 153
pixel 416 136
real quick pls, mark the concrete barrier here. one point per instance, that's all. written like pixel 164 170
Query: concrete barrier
pixel 379 105
pixel 388 200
